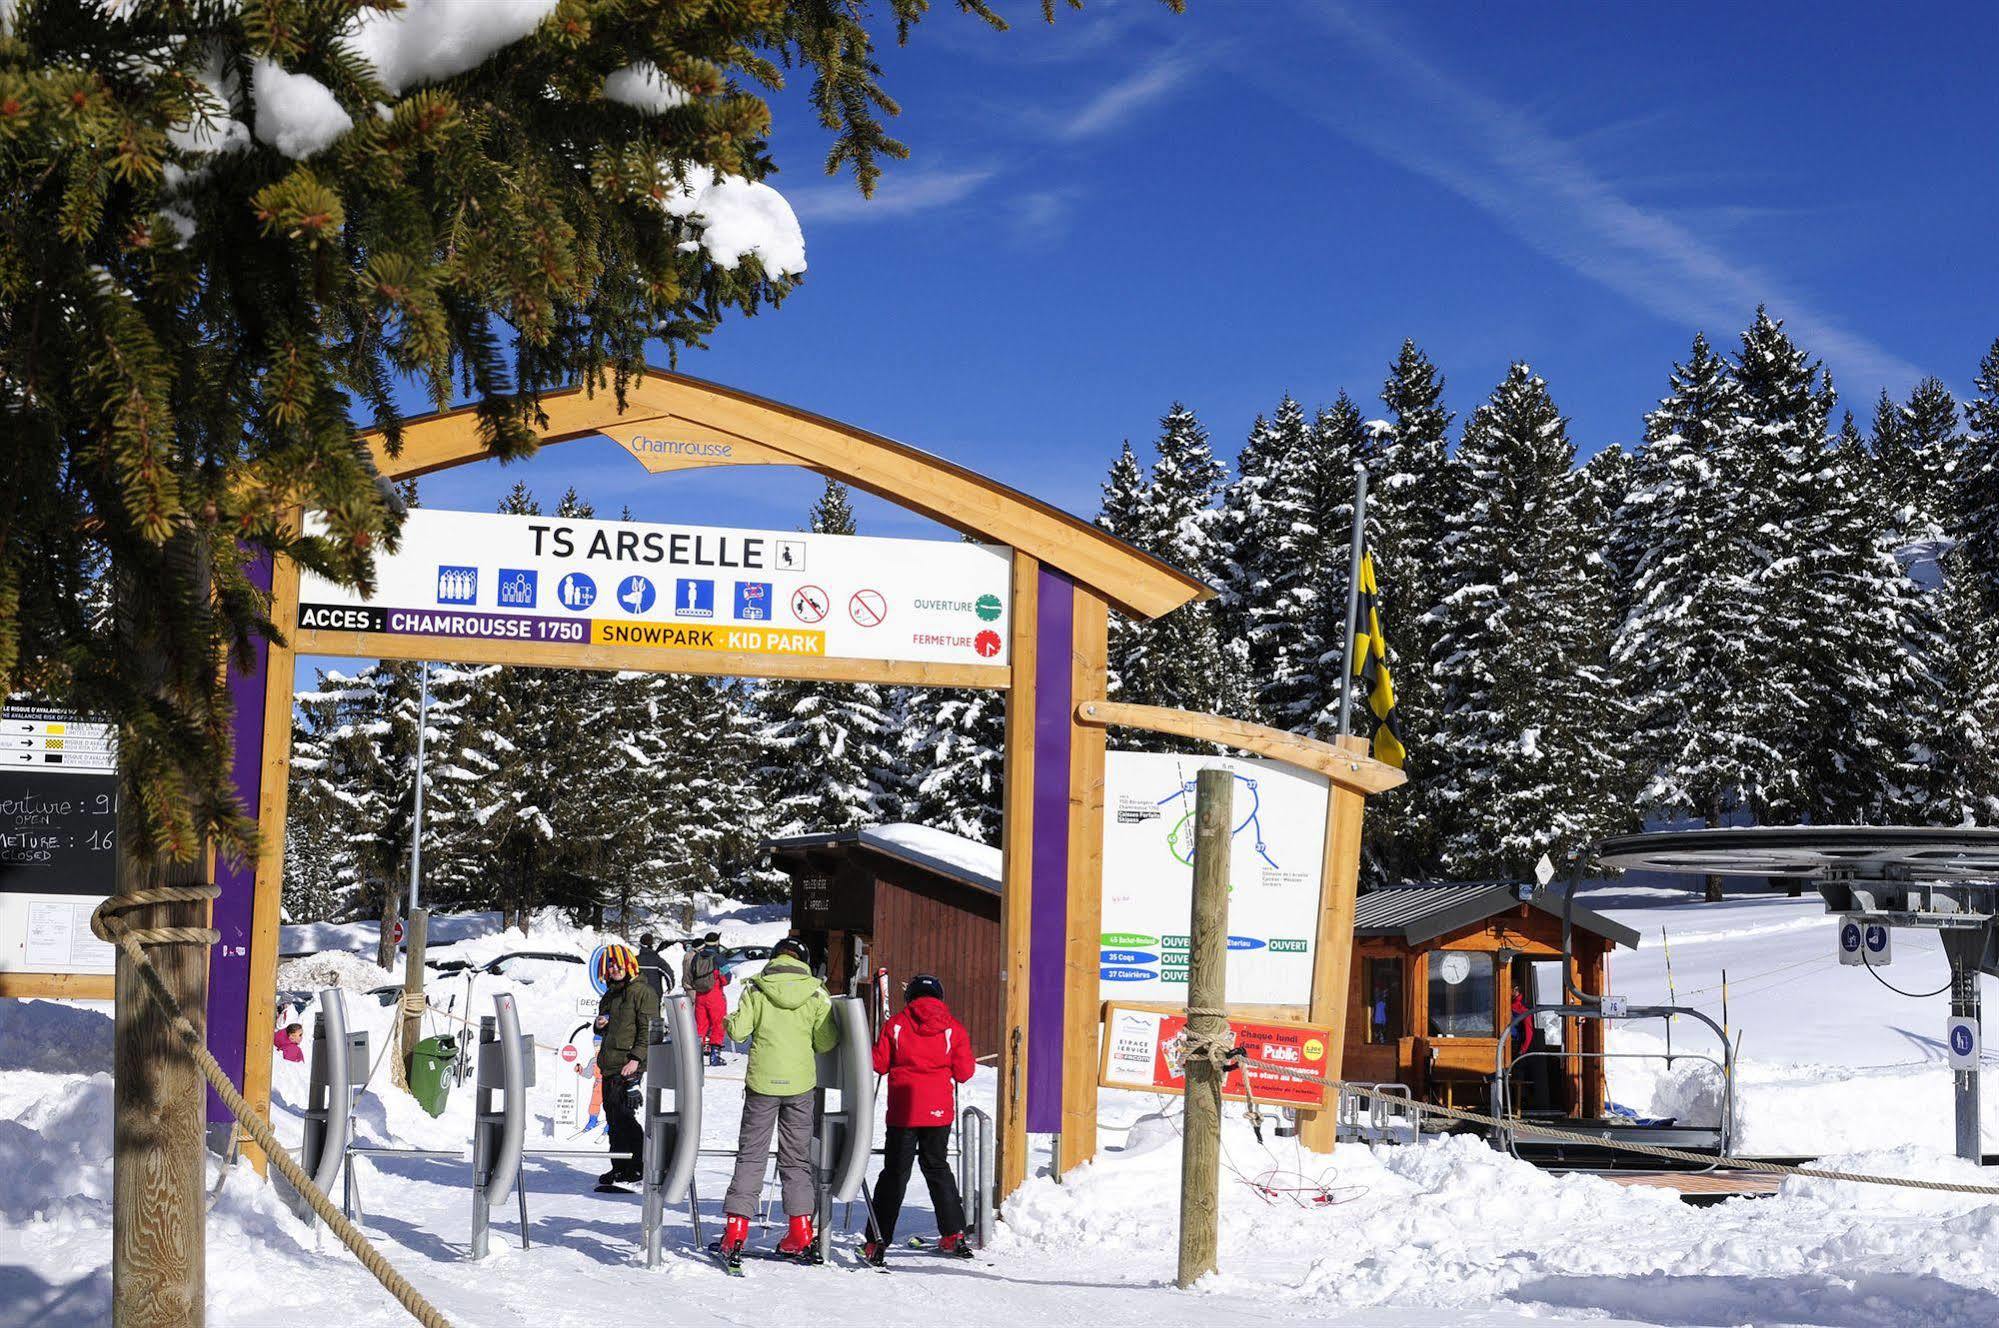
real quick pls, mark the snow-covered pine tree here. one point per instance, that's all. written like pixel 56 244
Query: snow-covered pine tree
pixel 1519 663
pixel 1410 489
pixel 826 750
pixel 357 741
pixel 1830 696
pixel 1284 528
pixel 1977 523
pixel 954 746
pixel 1916 446
pixel 1181 659
pixel 1690 645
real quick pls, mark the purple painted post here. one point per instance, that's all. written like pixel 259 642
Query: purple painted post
pixel 1048 933
pixel 229 961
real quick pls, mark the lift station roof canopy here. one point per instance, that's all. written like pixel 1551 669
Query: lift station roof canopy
pixel 1920 854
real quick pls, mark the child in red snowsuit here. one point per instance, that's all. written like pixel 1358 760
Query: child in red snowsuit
pixel 925 1053
pixel 702 977
pixel 286 1040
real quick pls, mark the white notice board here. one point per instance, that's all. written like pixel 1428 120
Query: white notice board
pixel 1275 869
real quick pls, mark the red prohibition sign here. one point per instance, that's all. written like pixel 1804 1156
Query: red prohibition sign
pixel 808 604
pixel 867 608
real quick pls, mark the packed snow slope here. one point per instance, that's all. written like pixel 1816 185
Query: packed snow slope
pixel 1446 1232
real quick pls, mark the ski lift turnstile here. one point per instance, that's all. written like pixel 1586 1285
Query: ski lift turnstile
pixel 339 1069
pixel 674 1077
pixel 506 1068
pixel 844 1137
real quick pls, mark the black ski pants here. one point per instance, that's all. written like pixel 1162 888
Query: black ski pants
pixel 928 1144
pixel 621 1116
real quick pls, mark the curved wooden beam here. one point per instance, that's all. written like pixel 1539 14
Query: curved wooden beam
pixel 1354 771
pixel 672 421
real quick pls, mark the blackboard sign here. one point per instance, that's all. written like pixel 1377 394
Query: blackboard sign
pixel 58 804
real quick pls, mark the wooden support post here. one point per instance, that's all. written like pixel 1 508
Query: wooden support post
pixel 1017 891
pixel 268 901
pixel 1332 961
pixel 1082 1012
pixel 1207 990
pixel 415 937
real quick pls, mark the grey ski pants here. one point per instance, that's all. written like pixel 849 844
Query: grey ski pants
pixel 793 1118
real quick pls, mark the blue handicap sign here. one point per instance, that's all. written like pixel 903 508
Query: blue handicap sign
pixel 636 594
pixel 577 591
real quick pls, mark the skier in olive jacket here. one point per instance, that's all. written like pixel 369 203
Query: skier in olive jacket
pixel 926 1053
pixel 624 1019
pixel 786 1016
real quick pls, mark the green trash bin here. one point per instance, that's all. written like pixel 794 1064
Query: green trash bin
pixel 430 1072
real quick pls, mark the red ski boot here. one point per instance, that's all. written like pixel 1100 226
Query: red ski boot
pixel 955 1246
pixel 798 1242
pixel 735 1235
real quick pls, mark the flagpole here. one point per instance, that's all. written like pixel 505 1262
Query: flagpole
pixel 1353 593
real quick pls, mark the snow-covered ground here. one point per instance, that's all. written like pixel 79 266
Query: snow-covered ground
pixel 1448 1232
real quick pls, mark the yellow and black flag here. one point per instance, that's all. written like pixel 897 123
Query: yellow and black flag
pixel 1370 667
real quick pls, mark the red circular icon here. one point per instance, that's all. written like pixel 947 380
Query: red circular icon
pixel 808 604
pixel 569 1053
pixel 987 643
pixel 397 934
pixel 867 608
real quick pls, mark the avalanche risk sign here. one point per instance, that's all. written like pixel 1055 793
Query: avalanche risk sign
pixel 557 580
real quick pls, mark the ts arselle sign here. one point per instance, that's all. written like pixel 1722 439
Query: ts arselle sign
pixel 633 583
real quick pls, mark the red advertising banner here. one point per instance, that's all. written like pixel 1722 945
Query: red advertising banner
pixel 1142 1051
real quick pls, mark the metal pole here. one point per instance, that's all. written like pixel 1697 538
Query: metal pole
pixel 416 816
pixel 1353 593
pixel 1965 948
pixel 1207 990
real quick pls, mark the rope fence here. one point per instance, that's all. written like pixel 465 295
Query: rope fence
pixel 109 927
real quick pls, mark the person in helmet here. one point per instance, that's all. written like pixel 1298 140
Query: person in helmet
pixel 926 1054
pixel 624 1019
pixel 702 975
pixel 787 1018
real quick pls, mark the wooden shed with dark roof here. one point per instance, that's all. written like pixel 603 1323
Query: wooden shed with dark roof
pixel 1433 980
pixel 907 898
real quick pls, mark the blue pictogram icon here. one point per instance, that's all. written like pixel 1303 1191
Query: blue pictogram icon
pixel 518 587
pixel 457 585
pixel 576 591
pixel 693 598
pixel 636 594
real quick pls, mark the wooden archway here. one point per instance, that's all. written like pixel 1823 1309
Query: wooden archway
pixel 1066 576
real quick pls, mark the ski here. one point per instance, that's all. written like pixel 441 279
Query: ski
pixel 731 1260
pixel 609 1187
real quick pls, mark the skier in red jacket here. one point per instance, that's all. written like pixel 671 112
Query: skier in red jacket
pixel 925 1053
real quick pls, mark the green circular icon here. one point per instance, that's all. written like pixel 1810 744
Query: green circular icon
pixel 988 608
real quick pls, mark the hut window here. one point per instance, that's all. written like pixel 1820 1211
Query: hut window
pixel 1461 995
pixel 1384 1001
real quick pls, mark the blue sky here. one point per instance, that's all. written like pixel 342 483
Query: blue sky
pixel 1262 196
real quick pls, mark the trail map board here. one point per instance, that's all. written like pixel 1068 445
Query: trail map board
pixel 58 827
pixel 1275 866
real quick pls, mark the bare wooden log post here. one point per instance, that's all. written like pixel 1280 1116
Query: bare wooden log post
pixel 158 1097
pixel 1207 990
pixel 414 933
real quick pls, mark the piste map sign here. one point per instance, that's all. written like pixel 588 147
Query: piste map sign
pixel 500 577
pixel 1276 861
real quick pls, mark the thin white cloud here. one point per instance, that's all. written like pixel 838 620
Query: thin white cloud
pixel 901 193
pixel 1122 100
pixel 1543 190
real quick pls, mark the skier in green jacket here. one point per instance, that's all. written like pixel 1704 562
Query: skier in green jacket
pixel 786 1016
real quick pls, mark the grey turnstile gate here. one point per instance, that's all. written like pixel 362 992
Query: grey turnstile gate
pixel 845 1138
pixel 506 1068
pixel 672 1115
pixel 339 1069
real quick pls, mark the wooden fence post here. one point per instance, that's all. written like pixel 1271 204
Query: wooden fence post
pixel 414 935
pixel 1207 990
